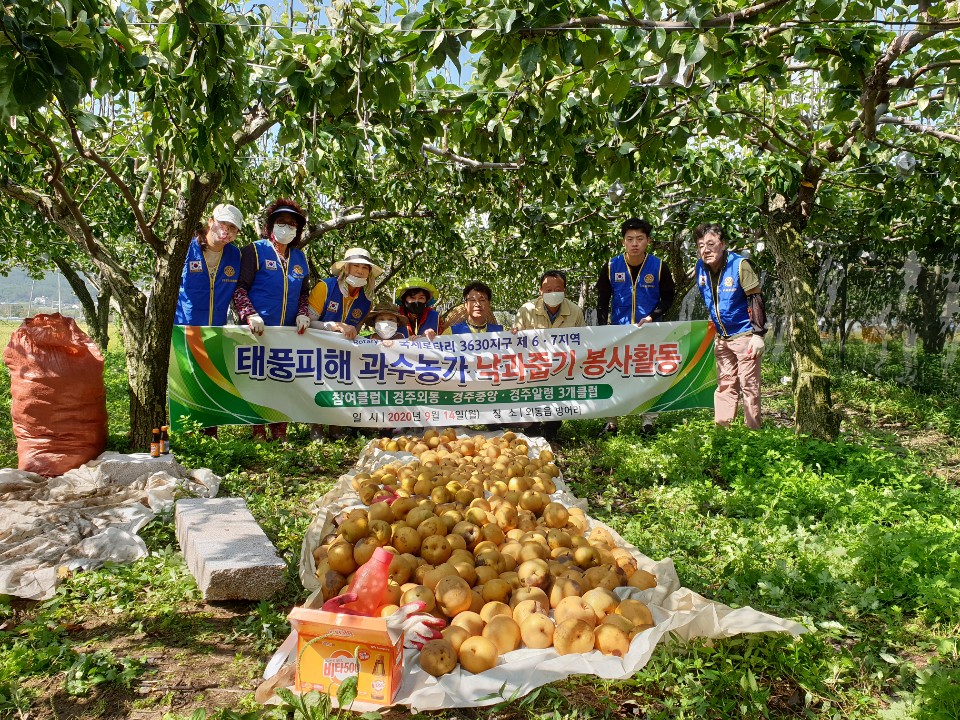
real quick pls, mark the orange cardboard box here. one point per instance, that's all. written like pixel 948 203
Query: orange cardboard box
pixel 330 644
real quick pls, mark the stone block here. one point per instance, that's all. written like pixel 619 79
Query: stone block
pixel 226 550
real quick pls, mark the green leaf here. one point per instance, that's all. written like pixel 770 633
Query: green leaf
pixel 29 89
pixel 530 59
pixel 347 692
pixel 695 50
pixel 408 20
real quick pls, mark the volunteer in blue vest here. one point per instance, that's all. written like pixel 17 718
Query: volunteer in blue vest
pixel 477 297
pixel 210 273
pixel 274 282
pixel 634 288
pixel 730 288
pixel 340 303
pixel 416 298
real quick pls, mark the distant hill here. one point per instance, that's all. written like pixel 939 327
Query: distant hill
pixel 18 287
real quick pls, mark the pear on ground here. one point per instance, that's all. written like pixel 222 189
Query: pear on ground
pixel 536 631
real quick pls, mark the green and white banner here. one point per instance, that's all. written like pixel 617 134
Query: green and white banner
pixel 228 376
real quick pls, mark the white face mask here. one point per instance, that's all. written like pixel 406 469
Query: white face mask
pixel 552 299
pixel 386 328
pixel 284 234
pixel 356 281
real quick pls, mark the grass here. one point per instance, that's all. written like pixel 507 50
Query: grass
pixel 858 539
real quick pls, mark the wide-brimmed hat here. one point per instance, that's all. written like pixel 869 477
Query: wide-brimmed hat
pixel 416 283
pixel 228 213
pixel 301 219
pixel 385 308
pixel 358 256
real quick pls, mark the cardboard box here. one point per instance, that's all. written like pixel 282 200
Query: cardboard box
pixel 328 645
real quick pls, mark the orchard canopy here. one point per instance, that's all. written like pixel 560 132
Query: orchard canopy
pixel 458 139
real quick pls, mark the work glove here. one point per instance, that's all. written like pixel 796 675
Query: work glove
pixel 256 324
pixel 303 322
pixel 418 627
pixel 755 347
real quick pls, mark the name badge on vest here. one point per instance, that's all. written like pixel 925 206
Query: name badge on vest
pixel 271 264
pixel 196 266
pixel 703 281
pixel 333 306
pixel 619 277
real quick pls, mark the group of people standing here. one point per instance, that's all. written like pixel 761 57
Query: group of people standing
pixel 268 284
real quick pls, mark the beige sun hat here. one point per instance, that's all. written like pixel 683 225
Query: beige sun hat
pixel 358 256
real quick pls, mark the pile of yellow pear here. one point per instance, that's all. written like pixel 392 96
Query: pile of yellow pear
pixel 476 537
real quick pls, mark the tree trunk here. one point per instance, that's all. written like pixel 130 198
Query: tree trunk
pixel 682 279
pixel 811 387
pixel 93 310
pixel 148 321
pixel 931 295
pixel 842 292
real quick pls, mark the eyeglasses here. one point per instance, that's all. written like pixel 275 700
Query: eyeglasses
pixel 476 300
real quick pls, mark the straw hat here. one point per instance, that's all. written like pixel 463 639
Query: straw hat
pixel 357 256
pixel 385 307
pixel 416 283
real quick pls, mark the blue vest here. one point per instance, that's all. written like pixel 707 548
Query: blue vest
pixel 729 310
pixel 633 301
pixel 275 294
pixel 328 301
pixel 462 328
pixel 202 302
pixel 430 322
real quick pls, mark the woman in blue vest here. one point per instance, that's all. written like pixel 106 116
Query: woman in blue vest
pixel 416 298
pixel 274 284
pixel 477 297
pixel 340 303
pixel 211 270
pixel 210 274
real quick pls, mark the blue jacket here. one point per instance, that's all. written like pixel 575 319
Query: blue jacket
pixel 274 293
pixel 202 301
pixel 430 322
pixel 633 301
pixel 329 303
pixel 462 328
pixel 729 310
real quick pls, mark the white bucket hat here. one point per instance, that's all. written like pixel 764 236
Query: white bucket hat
pixel 358 256
pixel 230 214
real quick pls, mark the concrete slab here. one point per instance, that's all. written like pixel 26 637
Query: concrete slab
pixel 226 550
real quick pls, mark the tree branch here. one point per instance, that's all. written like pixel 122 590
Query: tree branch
pixel 773 130
pixel 343 221
pixel 911 81
pixel 146 232
pixel 918 128
pixel 724 20
pixel 259 121
pixel 469 162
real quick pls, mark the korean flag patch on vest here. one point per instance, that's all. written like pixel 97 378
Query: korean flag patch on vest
pixel 196 266
pixel 333 306
pixel 270 264
pixel 619 277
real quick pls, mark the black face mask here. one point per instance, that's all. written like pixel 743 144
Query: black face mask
pixel 415 308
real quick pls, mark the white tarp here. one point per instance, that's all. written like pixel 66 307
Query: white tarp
pixel 86 517
pixel 676 610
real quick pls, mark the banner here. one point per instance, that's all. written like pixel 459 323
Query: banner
pixel 228 376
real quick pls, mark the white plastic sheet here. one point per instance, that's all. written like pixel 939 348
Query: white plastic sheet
pixel 86 517
pixel 676 611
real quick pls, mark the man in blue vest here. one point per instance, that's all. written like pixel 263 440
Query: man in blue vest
pixel 731 290
pixel 476 299
pixel 634 288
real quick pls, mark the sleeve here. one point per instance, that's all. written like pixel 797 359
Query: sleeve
pixel 604 293
pixel 447 331
pixel 749 280
pixel 318 298
pixel 668 293
pixel 522 321
pixel 303 302
pixel 577 318
pixel 757 310
pixel 248 271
